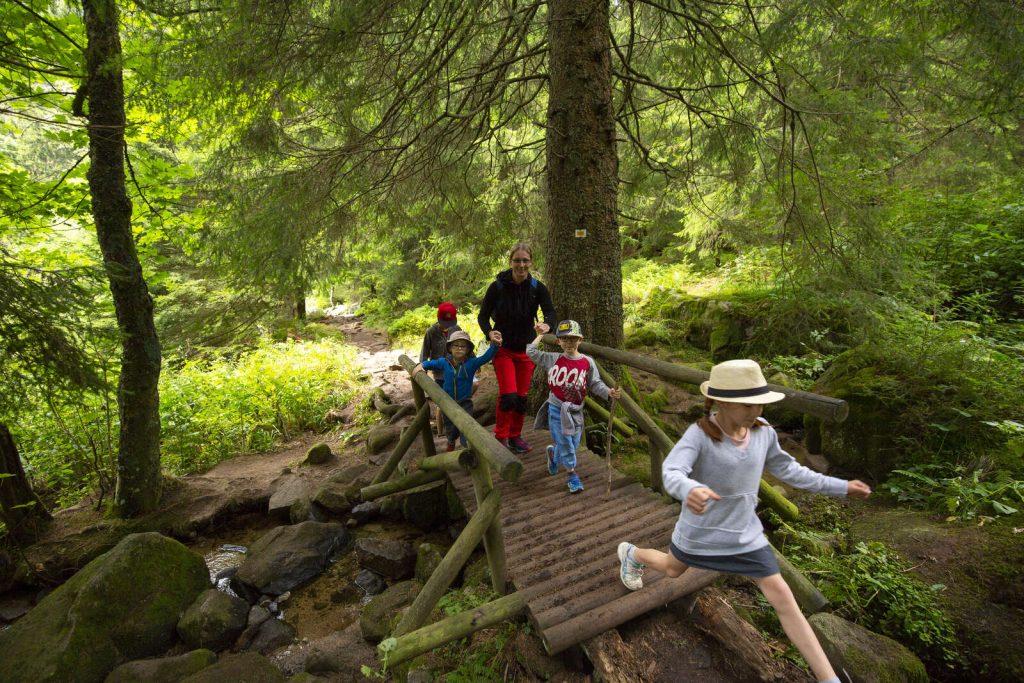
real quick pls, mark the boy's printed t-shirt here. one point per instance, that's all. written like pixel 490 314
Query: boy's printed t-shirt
pixel 567 379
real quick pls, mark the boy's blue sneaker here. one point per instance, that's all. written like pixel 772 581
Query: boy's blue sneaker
pixel 575 485
pixel 630 571
pixel 552 465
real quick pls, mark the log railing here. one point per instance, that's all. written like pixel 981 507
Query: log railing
pixel 412 635
pixel 824 407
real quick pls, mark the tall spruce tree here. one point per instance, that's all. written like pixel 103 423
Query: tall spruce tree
pixel 138 461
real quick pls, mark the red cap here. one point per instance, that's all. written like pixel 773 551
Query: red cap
pixel 447 311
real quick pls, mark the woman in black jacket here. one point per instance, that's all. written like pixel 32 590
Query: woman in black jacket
pixel 512 301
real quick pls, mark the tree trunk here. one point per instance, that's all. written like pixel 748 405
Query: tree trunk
pixel 583 269
pixel 300 303
pixel 20 508
pixel 138 458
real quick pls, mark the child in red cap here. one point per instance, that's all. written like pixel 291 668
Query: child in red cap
pixel 435 345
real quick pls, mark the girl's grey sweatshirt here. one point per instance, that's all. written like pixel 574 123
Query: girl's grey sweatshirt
pixel 729 526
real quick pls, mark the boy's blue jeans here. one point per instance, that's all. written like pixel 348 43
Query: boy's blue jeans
pixel 565 445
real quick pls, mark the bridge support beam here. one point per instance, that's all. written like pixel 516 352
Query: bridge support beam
pixel 454 559
pixel 454 627
pixel 408 436
pixel 410 481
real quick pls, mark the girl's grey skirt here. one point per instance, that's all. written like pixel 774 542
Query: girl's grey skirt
pixel 756 564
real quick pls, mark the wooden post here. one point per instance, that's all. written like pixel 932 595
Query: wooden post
pixel 409 481
pixel 483 442
pixel 587 625
pixel 657 460
pixel 454 627
pixel 428 435
pixel 445 462
pixel 453 561
pixel 825 407
pixel 404 442
pixel 494 544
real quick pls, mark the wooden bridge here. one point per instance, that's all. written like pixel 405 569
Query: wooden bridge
pixel 558 550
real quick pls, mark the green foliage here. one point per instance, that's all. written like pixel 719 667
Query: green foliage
pixel 956 491
pixel 873 587
pixel 406 328
pixel 212 410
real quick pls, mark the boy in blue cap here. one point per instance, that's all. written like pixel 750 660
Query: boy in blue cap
pixel 458 368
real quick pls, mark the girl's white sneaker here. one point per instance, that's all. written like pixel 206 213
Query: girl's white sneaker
pixel 630 571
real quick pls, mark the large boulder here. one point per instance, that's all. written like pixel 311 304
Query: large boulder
pixel 248 667
pixel 426 506
pixel 290 489
pixel 867 657
pixel 123 605
pixel 391 558
pixel 868 442
pixel 340 491
pixel 380 614
pixel 162 669
pixel 287 557
pixel 213 621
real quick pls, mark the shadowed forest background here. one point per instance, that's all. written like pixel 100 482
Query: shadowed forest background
pixel 831 188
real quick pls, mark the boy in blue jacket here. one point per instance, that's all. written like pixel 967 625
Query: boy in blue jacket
pixel 459 367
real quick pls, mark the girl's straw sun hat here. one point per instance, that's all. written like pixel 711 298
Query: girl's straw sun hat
pixel 739 381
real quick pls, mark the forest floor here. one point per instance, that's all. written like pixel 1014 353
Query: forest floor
pixel 226 505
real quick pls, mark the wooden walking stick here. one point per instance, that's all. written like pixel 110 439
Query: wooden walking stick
pixel 608 440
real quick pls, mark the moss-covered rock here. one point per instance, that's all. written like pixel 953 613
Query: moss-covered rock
pixel 163 669
pixel 477 572
pixel 248 667
pixel 381 614
pixel 428 557
pixel 867 442
pixel 379 438
pixel 867 657
pixel 318 454
pixel 123 605
pixel 214 620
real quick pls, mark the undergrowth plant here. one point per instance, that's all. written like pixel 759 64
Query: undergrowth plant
pixel 873 587
pixel 957 491
pixel 213 409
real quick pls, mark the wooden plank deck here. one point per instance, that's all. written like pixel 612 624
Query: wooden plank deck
pixel 561 548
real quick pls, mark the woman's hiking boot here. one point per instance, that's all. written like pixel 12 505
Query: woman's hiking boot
pixel 519 445
pixel 575 485
pixel 552 464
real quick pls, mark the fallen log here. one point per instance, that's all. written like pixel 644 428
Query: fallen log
pixel 712 614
